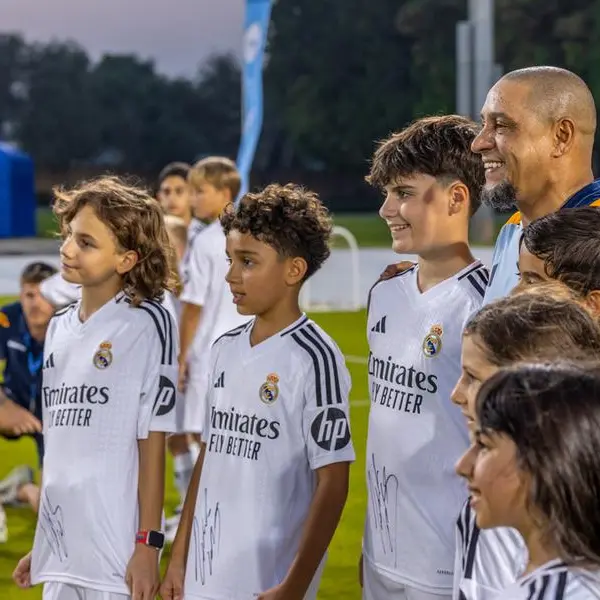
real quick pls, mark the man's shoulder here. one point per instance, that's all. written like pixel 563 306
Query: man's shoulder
pixel 509 235
pixel 10 314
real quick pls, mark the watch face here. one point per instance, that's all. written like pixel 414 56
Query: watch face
pixel 156 539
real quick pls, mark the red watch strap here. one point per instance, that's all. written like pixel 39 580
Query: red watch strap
pixel 141 537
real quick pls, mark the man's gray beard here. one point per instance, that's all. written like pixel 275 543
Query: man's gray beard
pixel 501 197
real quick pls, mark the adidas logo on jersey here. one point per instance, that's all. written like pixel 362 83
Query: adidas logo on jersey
pixel 49 364
pixel 220 382
pixel 379 327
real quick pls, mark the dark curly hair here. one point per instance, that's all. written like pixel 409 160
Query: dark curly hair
pixel 137 224
pixel 552 414
pixel 435 146
pixel 568 242
pixel 289 218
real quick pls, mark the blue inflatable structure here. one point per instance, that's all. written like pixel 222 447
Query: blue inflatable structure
pixel 17 193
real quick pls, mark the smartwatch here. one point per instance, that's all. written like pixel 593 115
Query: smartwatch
pixel 154 539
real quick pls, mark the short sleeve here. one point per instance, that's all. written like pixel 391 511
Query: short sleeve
pixel 158 410
pixel 211 375
pixel 59 292
pixel 326 417
pixel 198 274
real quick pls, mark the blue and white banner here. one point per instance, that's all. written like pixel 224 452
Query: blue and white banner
pixel 258 15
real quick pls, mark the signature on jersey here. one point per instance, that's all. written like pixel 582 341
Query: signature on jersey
pixel 52 524
pixel 383 496
pixel 206 533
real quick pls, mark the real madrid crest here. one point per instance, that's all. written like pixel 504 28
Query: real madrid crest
pixel 432 344
pixel 103 357
pixel 269 390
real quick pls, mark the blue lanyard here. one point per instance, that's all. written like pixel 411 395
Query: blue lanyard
pixel 34 364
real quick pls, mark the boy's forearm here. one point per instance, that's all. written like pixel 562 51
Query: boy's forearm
pixel 322 520
pixel 190 318
pixel 181 543
pixel 151 481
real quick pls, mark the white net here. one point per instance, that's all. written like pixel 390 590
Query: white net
pixel 336 286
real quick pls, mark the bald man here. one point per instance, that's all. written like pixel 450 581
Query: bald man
pixel 536 144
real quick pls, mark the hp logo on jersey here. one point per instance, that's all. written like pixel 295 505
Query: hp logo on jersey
pixel 165 399
pixel 330 429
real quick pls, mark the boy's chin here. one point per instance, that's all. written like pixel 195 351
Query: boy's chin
pixel 70 276
pixel 400 247
pixel 244 311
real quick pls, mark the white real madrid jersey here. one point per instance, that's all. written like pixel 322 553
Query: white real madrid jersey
pixel 415 432
pixel 107 383
pixel 487 560
pixel 555 581
pixel 205 286
pixel 277 412
pixel 60 293
pixel 193 229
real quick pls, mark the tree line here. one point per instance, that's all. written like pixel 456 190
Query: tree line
pixel 339 76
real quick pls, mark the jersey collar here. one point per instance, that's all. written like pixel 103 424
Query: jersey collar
pixel 585 196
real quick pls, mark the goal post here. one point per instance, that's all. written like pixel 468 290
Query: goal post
pixel 336 286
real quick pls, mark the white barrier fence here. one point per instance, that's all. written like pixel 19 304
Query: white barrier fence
pixel 343 283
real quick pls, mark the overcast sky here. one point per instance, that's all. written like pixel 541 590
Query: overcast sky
pixel 177 34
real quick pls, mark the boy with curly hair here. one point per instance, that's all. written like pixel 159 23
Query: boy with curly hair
pixel 269 488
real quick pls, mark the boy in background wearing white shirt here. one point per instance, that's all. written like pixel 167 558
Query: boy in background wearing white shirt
pixel 207 304
pixel 431 183
pixel 272 479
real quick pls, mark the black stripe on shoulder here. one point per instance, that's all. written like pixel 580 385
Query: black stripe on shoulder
pixel 463 525
pixel 532 590
pixel 315 360
pixel 332 357
pixel 65 309
pixel 327 378
pixel 484 275
pixel 460 525
pixel 161 318
pixel 302 322
pixel 474 268
pixel 170 331
pixel 543 587
pixel 561 586
pixel 234 332
pixel 471 552
pixel 477 285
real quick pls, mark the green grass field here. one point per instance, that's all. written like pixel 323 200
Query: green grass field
pixel 340 579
